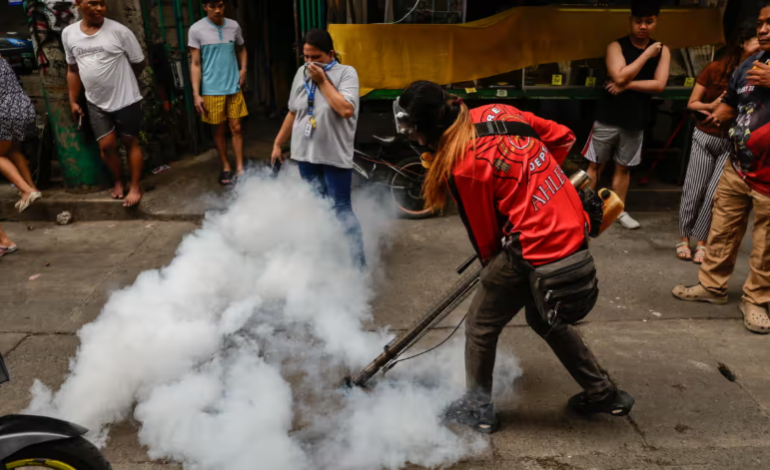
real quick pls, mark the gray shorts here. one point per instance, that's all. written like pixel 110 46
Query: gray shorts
pixel 606 142
pixel 127 121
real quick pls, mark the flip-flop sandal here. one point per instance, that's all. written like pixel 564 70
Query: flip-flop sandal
pixel 700 255
pixel 23 205
pixel 683 251
pixel 7 250
pixel 226 178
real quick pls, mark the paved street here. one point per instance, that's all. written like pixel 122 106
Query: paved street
pixel 665 353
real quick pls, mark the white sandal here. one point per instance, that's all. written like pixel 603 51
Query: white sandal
pixel 683 248
pixel 700 254
pixel 24 204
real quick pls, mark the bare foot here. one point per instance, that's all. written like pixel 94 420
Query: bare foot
pixel 118 192
pixel 133 198
pixel 6 242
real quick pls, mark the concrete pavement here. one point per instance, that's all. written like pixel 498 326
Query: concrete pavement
pixel 665 352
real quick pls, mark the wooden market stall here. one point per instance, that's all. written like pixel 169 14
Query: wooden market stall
pixel 547 59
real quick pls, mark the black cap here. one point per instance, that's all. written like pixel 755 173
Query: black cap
pixel 643 8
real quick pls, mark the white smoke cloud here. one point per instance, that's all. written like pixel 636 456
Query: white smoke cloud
pixel 234 353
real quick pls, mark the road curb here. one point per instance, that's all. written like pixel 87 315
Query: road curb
pixel 94 210
pixel 88 211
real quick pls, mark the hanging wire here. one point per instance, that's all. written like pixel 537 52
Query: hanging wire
pixel 416 4
pixel 393 363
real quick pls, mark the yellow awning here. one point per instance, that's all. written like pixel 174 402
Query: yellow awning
pixel 393 56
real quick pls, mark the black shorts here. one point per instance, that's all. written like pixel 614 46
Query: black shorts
pixel 127 122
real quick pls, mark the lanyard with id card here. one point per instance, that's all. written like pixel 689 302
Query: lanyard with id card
pixel 311 89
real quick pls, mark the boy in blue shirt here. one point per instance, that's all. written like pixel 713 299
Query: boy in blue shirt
pixel 219 61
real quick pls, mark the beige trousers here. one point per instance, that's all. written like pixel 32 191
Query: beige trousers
pixel 733 203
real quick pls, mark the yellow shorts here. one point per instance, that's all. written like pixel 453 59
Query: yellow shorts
pixel 221 108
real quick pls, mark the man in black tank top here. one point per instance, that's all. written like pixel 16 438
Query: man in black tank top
pixel 637 68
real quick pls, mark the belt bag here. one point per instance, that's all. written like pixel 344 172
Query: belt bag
pixel 565 291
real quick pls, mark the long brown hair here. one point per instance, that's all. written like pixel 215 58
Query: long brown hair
pixel 732 54
pixel 444 121
pixel 452 148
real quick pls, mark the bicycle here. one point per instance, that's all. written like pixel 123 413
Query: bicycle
pixel 404 178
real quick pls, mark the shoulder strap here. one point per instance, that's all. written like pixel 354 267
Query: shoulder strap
pixel 520 129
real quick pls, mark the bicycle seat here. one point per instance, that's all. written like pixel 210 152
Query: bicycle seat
pixel 384 140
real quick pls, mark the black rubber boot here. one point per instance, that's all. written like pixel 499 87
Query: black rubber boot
pixel 617 403
pixel 482 418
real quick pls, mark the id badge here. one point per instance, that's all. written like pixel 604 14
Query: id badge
pixel 308 130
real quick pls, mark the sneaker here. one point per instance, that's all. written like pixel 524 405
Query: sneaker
pixel 628 222
pixel 482 418
pixel 698 293
pixel 616 403
pixel 755 317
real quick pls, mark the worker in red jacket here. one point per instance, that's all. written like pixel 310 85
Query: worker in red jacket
pixel 502 166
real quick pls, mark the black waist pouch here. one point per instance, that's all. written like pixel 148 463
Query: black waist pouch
pixel 565 290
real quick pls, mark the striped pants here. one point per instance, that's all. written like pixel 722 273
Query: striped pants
pixel 707 159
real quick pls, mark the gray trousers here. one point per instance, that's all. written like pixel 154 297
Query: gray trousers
pixel 504 291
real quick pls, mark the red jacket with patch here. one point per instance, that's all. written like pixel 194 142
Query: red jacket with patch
pixel 515 186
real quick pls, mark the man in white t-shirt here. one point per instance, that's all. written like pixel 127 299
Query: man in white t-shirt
pixel 105 57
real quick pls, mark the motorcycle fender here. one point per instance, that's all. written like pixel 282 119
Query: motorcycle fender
pixel 21 431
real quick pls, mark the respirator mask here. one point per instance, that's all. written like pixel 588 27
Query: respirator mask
pixel 405 126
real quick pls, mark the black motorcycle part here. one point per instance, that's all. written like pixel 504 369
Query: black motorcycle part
pixel 75 452
pixel 20 431
pixel 5 376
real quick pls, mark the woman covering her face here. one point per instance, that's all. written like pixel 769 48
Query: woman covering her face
pixel 322 120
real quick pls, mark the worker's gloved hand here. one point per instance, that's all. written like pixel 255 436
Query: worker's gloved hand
pixel 594 206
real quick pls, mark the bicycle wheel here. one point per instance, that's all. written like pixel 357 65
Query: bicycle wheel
pixel 407 190
pixel 68 454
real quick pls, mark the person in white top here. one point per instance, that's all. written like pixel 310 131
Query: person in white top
pixel 105 58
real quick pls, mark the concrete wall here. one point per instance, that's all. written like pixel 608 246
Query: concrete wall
pixel 128 12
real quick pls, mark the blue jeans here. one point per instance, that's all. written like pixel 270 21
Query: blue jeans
pixel 335 183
